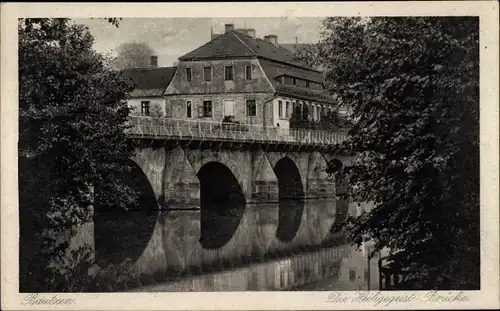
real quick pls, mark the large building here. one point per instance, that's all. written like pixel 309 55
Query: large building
pixel 237 75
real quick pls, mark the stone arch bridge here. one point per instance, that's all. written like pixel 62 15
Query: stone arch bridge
pixel 185 161
pixel 188 169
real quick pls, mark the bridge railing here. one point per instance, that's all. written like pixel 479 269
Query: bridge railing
pixel 218 130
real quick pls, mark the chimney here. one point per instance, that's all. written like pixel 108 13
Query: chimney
pixel 273 39
pixel 154 61
pixel 228 27
pixel 247 31
pixel 250 32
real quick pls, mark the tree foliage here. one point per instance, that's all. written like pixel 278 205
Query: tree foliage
pixel 73 150
pixel 115 21
pixel 308 54
pixel 133 55
pixel 329 120
pixel 157 110
pixel 412 87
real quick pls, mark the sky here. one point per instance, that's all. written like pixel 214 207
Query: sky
pixel 171 38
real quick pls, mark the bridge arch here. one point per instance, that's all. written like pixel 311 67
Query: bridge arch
pixel 238 163
pixel 222 204
pixel 120 234
pixel 290 185
pixel 218 184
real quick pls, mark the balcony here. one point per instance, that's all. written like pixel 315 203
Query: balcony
pixel 166 128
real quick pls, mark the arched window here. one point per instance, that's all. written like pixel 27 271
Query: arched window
pixel 299 109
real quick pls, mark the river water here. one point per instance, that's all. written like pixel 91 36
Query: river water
pixel 215 236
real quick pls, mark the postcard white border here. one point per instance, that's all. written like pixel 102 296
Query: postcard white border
pixel 489 116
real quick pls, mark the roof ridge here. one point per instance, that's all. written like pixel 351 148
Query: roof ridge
pixel 149 68
pixel 246 45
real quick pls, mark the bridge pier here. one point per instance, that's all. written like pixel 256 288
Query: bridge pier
pixel 319 184
pixel 264 183
pixel 182 187
pixel 152 162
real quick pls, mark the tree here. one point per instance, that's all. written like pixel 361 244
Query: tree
pixel 308 54
pixel 414 137
pixel 157 111
pixel 73 149
pixel 133 55
pixel 329 121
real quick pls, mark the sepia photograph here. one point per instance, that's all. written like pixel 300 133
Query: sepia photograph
pixel 292 154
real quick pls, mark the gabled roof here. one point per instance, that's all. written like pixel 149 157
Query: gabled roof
pixel 265 49
pixel 235 43
pixel 149 81
pixel 225 45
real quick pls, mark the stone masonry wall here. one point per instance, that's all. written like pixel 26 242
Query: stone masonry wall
pixel 173 173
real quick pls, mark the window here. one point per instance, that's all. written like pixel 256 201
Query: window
pixel 189 113
pixel 307 83
pixel 145 108
pixel 352 275
pixel 305 111
pixel 248 72
pixel 251 108
pixel 229 73
pixel 207 73
pixel 294 81
pixel 228 107
pixel 280 108
pixel 207 109
pixel 189 75
pixel 367 275
pixel 288 109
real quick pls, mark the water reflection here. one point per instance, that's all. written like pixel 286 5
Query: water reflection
pixel 120 234
pixel 341 214
pixel 289 219
pixel 219 222
pixel 225 236
pixel 218 236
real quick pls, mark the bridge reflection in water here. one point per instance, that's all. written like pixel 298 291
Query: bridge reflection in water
pixel 214 237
